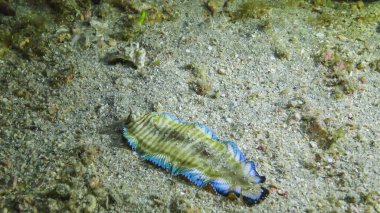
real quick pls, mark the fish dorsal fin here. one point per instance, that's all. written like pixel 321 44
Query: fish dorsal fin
pixel 171 117
pixel 205 129
pixel 235 151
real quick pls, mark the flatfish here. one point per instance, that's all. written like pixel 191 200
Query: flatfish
pixel 194 151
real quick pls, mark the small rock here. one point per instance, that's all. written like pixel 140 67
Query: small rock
pixel 284 193
pixel 133 55
pixel 229 120
pixel 221 71
pixel 296 103
pixel 136 55
pixel 320 35
pixel 94 182
pixel 297 116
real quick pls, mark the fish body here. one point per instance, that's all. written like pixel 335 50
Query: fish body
pixel 194 151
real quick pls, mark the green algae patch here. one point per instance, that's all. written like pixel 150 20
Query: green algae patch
pixel 319 131
pixel 40 24
pixel 71 183
pixel 134 16
pixel 251 9
pixel 345 18
pixel 340 67
pixel 25 34
pixel 325 132
pixel 318 3
pixel 64 76
pixel 375 65
pixel 43 171
pixel 70 10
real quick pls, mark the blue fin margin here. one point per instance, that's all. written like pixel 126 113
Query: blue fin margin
pixel 172 117
pixel 207 131
pixel 224 189
pixel 160 161
pixel 201 126
pixel 250 168
pixel 251 200
pixel 221 187
pixel 235 151
pixel 132 142
pixel 196 177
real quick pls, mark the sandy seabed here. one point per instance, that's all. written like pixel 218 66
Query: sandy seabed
pixel 268 83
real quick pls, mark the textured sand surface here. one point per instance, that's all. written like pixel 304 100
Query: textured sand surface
pixel 266 91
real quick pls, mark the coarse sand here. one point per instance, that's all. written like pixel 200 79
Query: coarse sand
pixel 300 97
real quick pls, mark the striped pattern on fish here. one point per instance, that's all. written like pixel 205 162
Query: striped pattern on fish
pixel 194 151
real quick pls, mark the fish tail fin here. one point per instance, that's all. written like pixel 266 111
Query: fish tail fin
pixel 252 199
